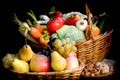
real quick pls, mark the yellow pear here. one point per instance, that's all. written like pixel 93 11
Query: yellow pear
pixel 25 53
pixel 58 63
pixel 20 65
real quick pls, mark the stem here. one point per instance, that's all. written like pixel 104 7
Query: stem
pixel 50 48
pixel 16 20
pixel 25 40
pixel 95 24
pixel 31 14
pixel 29 22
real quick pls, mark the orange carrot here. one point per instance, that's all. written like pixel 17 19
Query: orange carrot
pixel 34 33
pixel 38 27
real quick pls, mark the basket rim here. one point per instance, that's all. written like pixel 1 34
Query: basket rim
pixel 80 68
pixel 105 34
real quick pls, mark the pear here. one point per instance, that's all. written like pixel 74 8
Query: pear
pixel 19 65
pixel 25 53
pixel 58 63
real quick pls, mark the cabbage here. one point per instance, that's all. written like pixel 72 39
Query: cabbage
pixel 69 31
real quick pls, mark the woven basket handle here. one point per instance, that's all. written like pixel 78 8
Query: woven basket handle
pixel 88 31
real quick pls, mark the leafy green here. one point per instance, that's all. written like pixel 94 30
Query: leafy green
pixel 101 21
pixel 71 32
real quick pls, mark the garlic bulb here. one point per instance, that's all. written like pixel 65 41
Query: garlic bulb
pixel 81 24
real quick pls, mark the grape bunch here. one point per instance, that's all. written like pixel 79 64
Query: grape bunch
pixel 46 52
pixel 64 46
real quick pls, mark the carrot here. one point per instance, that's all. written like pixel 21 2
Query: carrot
pixel 34 33
pixel 38 27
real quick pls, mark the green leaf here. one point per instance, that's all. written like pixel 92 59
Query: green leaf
pixel 52 10
pixel 32 15
pixel 102 18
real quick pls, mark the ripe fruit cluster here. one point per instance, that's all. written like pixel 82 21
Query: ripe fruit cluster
pixel 64 46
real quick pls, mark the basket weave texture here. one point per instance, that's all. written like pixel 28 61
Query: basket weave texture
pixel 96 49
pixel 93 49
pixel 55 75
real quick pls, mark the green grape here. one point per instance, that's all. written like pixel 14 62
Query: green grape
pixel 67 46
pixel 67 49
pixel 73 43
pixel 67 40
pixel 61 50
pixel 74 49
pixel 57 43
pixel 63 41
pixel 66 52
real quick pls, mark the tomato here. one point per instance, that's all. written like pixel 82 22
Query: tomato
pixel 72 20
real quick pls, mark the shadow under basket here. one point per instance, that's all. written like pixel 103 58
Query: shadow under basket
pixel 96 49
pixel 73 74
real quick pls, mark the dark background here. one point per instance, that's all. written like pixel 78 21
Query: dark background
pixel 11 40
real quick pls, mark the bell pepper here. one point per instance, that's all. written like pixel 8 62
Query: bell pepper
pixel 72 20
pixel 44 39
pixel 56 22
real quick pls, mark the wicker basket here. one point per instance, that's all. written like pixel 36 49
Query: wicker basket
pixel 93 49
pixel 58 75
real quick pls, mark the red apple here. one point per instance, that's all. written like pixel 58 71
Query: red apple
pixel 40 63
pixel 72 62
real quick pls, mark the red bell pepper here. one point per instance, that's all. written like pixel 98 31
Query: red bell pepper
pixel 72 20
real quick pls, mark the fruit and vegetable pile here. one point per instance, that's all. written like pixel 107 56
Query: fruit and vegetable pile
pixel 57 34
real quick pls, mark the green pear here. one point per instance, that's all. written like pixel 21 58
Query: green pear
pixel 25 53
pixel 58 63
pixel 19 65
